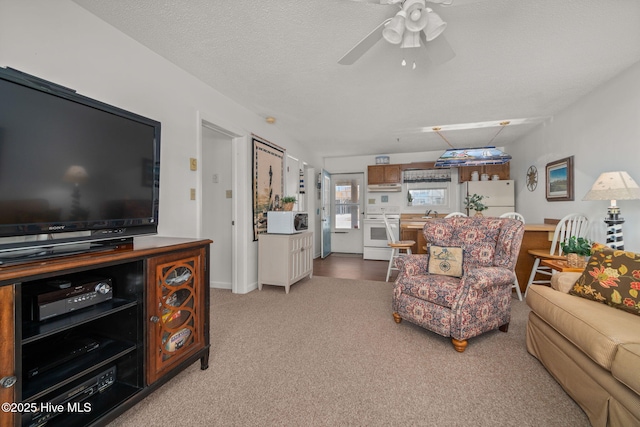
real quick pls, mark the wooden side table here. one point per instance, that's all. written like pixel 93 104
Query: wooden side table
pixel 560 265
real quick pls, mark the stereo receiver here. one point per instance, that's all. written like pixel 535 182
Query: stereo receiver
pixel 59 297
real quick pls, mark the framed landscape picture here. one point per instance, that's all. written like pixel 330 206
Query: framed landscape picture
pixel 560 180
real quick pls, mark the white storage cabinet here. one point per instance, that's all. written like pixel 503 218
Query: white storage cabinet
pixel 284 259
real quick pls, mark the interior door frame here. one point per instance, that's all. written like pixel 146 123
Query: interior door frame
pixel 325 213
pixel 342 236
pixel 239 249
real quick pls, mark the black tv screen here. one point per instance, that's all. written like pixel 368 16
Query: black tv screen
pixel 69 163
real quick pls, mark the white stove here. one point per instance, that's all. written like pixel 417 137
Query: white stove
pixel 375 234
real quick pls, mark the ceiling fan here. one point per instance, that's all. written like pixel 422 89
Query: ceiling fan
pixel 413 26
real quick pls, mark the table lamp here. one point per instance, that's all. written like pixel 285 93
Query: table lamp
pixel 614 186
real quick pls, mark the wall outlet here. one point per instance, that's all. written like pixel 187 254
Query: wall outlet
pixel 192 193
pixel 229 194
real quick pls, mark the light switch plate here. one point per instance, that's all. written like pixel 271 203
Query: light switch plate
pixel 192 193
pixel 228 192
pixel 193 164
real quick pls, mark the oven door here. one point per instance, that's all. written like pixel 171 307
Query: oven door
pixel 375 233
pixel 375 239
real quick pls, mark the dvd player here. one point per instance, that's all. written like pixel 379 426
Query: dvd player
pixel 79 393
pixel 41 360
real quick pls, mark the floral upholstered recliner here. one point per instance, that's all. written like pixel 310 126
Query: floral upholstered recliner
pixel 474 299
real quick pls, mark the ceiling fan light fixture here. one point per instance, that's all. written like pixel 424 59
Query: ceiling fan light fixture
pixel 411 39
pixel 416 14
pixel 394 30
pixel 435 25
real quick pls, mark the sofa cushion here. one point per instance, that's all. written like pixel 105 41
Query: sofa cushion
pixel 612 277
pixel 626 365
pixel 596 329
pixel 437 289
pixel 445 260
pixel 563 282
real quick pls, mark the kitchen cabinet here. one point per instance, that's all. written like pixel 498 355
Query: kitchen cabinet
pixel 503 171
pixel 384 174
pixel 284 259
pixel 74 329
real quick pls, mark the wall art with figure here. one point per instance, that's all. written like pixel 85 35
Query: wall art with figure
pixel 268 182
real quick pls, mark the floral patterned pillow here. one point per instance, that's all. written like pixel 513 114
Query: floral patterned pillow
pixel 445 260
pixel 611 277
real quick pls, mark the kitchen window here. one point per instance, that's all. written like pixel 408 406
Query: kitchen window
pixel 430 197
pixel 429 189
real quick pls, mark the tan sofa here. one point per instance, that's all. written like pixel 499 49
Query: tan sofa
pixel 590 348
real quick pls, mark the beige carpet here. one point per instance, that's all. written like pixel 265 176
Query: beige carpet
pixel 330 354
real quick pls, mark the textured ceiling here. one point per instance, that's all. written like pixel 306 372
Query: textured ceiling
pixel 514 59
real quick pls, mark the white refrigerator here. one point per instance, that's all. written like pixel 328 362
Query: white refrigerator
pixel 499 196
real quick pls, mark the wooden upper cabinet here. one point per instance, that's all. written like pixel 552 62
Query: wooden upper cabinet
pixel 384 174
pixel 503 171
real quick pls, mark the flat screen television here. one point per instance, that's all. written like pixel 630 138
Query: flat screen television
pixel 72 169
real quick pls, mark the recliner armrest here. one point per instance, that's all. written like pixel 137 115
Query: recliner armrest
pixel 413 265
pixel 483 277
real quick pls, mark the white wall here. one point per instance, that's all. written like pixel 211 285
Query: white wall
pixel 602 132
pixel 61 42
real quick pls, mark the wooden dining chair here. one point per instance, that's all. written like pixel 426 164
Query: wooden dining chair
pixel 574 224
pixel 519 217
pixel 397 246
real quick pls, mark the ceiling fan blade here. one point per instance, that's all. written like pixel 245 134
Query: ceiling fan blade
pixel 378 1
pixel 363 45
pixel 438 50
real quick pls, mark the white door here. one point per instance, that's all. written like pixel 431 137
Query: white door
pixel 325 213
pixel 347 191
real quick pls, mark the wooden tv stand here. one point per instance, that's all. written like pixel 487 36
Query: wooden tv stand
pixel 151 322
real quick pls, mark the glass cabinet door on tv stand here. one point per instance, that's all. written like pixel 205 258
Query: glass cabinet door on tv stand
pixel 176 306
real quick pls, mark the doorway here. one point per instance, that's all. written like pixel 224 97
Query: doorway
pixel 217 208
pixel 347 212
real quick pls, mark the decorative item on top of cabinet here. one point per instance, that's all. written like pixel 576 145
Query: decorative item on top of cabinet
pixel 384 174
pixel 503 171
pixel 176 305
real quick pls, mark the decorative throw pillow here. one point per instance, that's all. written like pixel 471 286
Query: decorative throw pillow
pixel 611 277
pixel 445 260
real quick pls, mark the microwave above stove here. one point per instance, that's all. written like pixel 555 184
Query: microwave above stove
pixel 287 222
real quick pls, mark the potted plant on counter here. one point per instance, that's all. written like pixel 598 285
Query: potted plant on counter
pixel 577 250
pixel 474 202
pixel 288 202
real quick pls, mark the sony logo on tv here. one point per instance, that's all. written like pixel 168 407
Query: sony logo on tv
pixel 57 227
